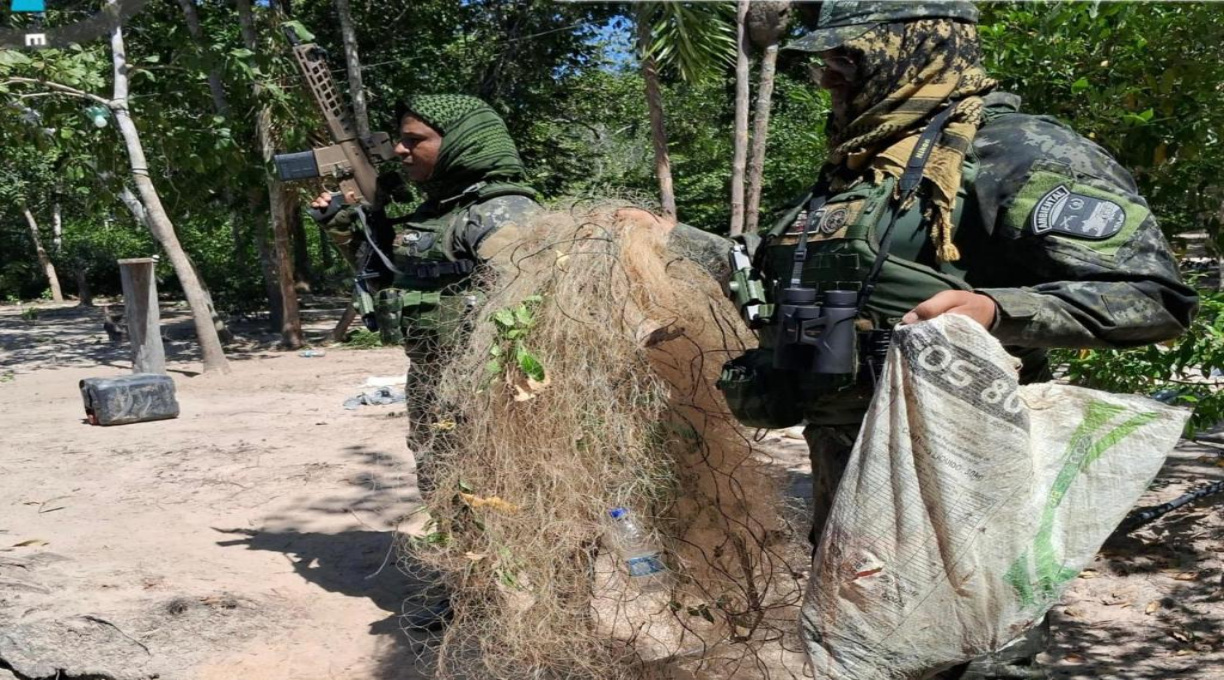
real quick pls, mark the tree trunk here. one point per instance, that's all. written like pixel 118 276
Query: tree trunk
pixel 325 249
pixel 342 326
pixel 142 217
pixel 220 105
pixel 352 61
pixel 291 324
pixel 1220 272
pixel 84 294
pixel 57 228
pixel 267 266
pixel 291 321
pixel 303 277
pixel 1217 236
pixel 743 94
pixel 760 134
pixel 159 222
pixel 143 315
pixel 658 132
pixel 43 260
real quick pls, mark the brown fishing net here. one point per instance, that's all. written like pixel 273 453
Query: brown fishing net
pixel 585 383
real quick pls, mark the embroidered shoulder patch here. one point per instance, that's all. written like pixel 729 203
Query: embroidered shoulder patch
pixel 1075 211
pixel 1066 212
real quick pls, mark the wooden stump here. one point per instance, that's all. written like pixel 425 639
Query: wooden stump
pixel 143 315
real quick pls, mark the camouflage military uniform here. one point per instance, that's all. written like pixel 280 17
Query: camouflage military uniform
pixel 475 197
pixel 1013 206
pixel 432 309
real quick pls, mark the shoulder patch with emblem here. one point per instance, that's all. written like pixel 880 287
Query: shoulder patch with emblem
pixel 1075 210
pixel 1066 212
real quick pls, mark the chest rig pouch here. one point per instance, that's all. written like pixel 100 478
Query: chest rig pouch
pixel 431 294
pixel 833 290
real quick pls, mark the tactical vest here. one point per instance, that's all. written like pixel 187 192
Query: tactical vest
pixel 843 237
pixel 432 293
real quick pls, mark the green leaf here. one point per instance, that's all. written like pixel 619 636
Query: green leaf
pixel 13 58
pixel 1079 86
pixel 493 367
pixel 523 316
pixel 529 364
pixel 504 318
pixel 242 53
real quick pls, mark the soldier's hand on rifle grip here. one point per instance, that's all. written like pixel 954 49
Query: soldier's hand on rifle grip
pixel 327 204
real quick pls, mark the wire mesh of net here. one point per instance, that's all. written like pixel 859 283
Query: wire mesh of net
pixel 579 378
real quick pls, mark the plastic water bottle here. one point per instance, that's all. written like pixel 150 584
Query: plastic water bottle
pixel 642 558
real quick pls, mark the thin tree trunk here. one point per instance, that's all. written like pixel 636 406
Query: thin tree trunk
pixel 325 249
pixel 743 94
pixel 291 325
pixel 142 217
pixel 303 277
pixel 221 108
pixel 658 131
pixel 342 326
pixel 57 228
pixel 1217 237
pixel 267 266
pixel 352 61
pixel 220 105
pixel 84 294
pixel 158 221
pixel 760 134
pixel 43 260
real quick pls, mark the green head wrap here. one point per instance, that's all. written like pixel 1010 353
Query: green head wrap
pixel 476 146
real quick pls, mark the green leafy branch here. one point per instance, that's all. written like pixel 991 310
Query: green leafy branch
pixel 513 326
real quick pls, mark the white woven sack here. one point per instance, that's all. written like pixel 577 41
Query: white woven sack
pixel 968 504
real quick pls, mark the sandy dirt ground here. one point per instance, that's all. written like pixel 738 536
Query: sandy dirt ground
pixel 251 538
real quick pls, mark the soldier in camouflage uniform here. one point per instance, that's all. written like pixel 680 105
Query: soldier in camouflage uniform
pixel 1019 223
pixel 456 150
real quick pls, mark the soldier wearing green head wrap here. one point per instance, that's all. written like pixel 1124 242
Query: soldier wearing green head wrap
pixel 1014 220
pixel 458 152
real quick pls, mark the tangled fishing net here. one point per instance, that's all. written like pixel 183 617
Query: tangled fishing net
pixel 586 382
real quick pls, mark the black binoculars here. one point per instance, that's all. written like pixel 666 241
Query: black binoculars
pixel 819 338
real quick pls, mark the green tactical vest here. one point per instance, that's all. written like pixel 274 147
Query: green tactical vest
pixel 429 300
pixel 842 250
pixel 843 237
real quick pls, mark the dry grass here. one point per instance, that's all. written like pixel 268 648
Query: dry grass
pixel 630 337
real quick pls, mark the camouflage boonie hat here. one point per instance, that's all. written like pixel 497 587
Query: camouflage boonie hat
pixel 842 20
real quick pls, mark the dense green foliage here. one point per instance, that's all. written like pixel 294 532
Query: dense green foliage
pixel 1187 372
pixel 1142 79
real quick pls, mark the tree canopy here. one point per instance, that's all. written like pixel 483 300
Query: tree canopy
pixel 1144 80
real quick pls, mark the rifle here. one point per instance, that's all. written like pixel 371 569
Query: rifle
pixel 350 160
